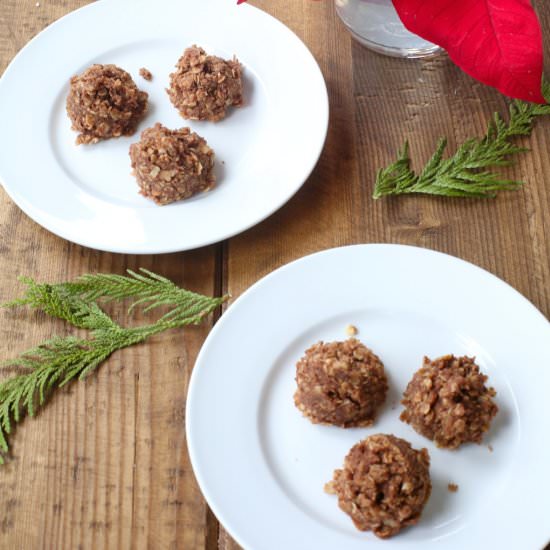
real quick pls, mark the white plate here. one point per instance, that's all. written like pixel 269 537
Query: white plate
pixel 265 150
pixel 262 466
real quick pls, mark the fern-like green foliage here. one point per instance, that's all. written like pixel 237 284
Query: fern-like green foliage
pixel 59 361
pixel 146 288
pixel 468 172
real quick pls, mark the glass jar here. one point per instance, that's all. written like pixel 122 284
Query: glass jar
pixel 376 25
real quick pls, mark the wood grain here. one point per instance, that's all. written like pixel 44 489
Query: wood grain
pixel 105 464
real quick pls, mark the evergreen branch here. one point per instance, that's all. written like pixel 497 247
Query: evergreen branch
pixel 53 364
pixel 58 361
pixel 149 289
pixel 467 173
pixel 55 301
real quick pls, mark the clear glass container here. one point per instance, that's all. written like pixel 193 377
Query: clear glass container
pixel 376 25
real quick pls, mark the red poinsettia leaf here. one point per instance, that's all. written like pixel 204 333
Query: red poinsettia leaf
pixel 498 42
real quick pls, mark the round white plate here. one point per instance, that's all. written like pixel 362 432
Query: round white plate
pixel 264 150
pixel 262 466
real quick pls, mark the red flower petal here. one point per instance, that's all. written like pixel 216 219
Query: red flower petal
pixel 498 42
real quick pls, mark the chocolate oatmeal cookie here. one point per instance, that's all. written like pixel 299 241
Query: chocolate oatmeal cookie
pixel 204 86
pixel 448 402
pixel 104 102
pixel 383 485
pixel 171 165
pixel 340 383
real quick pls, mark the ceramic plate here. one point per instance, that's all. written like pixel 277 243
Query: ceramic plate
pixel 262 466
pixel 264 150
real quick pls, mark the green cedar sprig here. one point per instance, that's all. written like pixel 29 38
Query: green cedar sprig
pixel 468 172
pixel 60 360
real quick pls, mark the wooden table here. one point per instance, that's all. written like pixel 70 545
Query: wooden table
pixel 105 464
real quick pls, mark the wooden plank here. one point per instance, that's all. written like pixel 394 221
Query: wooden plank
pixel 323 213
pixel 105 464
